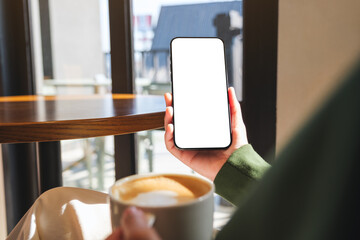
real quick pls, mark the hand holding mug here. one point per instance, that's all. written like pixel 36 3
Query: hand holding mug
pixel 180 205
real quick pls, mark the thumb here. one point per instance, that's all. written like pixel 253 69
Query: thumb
pixel 134 225
pixel 133 218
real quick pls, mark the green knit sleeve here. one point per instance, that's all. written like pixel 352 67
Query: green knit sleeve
pixel 242 169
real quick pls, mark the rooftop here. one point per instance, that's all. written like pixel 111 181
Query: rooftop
pixel 191 20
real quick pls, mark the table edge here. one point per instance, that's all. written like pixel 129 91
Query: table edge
pixel 80 128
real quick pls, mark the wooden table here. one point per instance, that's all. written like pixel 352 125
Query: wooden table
pixel 26 119
pixel 38 118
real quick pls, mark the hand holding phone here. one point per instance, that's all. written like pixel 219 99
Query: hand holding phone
pixel 207 163
pixel 200 97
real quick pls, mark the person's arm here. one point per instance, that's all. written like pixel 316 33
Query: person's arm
pixel 233 169
pixel 241 170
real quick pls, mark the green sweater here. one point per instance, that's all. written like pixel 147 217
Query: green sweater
pixel 239 174
pixel 312 191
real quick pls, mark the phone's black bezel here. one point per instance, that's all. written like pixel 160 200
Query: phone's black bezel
pixel 227 94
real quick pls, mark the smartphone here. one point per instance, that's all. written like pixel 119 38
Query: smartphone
pixel 200 93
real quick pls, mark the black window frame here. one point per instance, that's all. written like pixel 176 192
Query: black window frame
pixel 260 44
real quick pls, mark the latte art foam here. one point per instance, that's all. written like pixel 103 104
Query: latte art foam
pixel 159 198
pixel 160 190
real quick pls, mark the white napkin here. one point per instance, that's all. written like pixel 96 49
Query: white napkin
pixel 66 213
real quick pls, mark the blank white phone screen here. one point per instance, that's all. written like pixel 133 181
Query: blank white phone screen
pixel 200 99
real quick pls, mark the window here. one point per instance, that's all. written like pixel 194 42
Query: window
pixel 72 57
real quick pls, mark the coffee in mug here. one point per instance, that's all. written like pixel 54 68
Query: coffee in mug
pixel 182 204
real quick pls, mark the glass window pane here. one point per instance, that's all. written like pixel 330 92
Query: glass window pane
pixel 72 56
